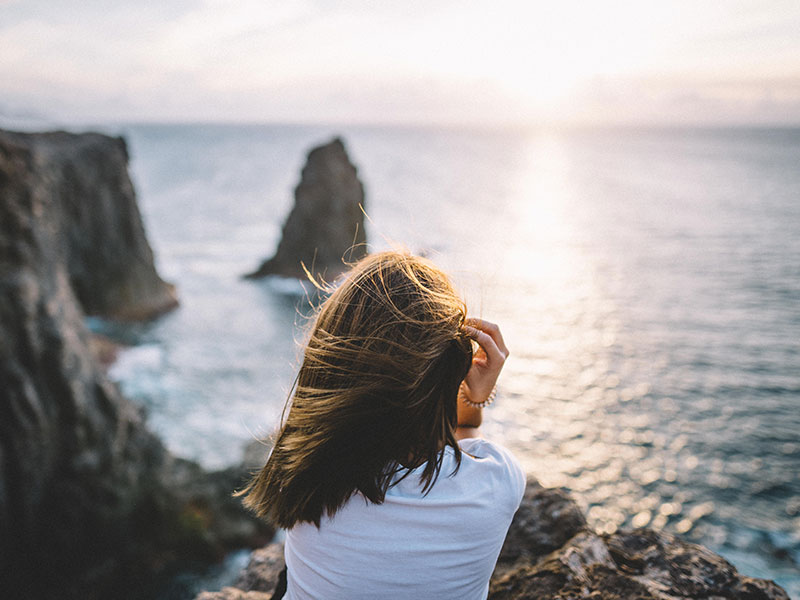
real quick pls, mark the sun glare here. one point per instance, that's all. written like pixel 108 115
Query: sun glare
pixel 550 50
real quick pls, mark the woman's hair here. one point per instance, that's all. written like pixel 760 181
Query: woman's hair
pixel 375 395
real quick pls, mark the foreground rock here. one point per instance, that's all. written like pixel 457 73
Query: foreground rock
pixel 90 501
pixel 545 520
pixel 326 224
pixel 550 554
pixel 641 564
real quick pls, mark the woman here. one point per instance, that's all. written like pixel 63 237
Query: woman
pixel 378 473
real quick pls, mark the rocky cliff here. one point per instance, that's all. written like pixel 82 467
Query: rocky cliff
pixel 326 225
pixel 93 223
pixel 88 496
pixel 551 554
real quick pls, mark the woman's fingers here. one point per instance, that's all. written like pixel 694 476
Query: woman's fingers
pixel 488 363
pixel 487 343
pixel 492 330
pixel 489 359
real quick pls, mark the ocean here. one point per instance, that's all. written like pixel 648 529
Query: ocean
pixel 647 282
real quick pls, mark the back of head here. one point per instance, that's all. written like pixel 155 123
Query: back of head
pixel 375 395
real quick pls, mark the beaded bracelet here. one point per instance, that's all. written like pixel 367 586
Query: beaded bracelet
pixel 483 404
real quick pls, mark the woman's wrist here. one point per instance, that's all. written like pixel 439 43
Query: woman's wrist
pixel 463 397
pixel 469 416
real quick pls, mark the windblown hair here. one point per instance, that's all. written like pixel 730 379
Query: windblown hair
pixel 375 395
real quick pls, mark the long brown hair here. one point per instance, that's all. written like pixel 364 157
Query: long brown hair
pixel 375 395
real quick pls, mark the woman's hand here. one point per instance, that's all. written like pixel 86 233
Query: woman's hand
pixel 487 363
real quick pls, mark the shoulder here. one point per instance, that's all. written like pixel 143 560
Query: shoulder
pixel 496 462
pixel 484 450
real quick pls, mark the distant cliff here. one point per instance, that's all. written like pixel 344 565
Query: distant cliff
pixel 551 554
pixel 326 225
pixel 88 496
pixel 88 212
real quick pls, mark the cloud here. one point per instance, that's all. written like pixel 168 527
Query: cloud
pixel 471 60
pixel 675 100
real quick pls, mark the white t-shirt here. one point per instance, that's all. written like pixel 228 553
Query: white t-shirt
pixel 441 545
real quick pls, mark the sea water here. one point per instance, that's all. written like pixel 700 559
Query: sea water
pixel 647 282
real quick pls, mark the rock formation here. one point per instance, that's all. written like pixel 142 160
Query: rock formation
pixel 551 554
pixel 326 225
pixel 93 223
pixel 88 496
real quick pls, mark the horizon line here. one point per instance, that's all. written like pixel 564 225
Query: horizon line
pixel 29 123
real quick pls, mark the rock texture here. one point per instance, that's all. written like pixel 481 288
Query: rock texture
pixel 550 554
pixel 326 225
pixel 88 496
pixel 263 570
pixel 257 581
pixel 641 564
pixel 89 213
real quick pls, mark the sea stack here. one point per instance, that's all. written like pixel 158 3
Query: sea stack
pixel 325 229
pixel 88 495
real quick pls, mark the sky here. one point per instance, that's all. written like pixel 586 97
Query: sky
pixel 503 62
